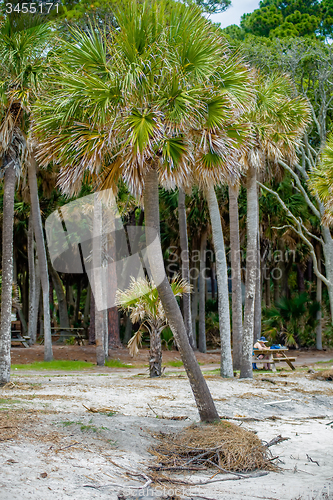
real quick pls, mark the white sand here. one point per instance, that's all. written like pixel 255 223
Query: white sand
pixel 44 442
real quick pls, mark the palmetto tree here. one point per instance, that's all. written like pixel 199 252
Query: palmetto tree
pixel 22 44
pixel 133 103
pixel 142 301
pixel 278 121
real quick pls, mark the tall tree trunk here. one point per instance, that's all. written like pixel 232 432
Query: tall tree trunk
pixel 113 317
pixel 19 309
pixel 87 306
pixel 236 279
pixel 92 335
pixel 61 297
pixel 267 287
pixel 258 297
pixel 78 299
pixel 203 398
pixel 251 273
pixel 113 328
pixel 328 254
pixel 128 329
pixel 319 344
pixel 155 353
pixel 195 300
pixel 40 245
pixel 7 273
pixel 98 280
pixel 222 283
pixel 185 265
pixel 202 293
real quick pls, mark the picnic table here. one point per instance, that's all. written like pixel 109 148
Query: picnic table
pixel 17 338
pixel 69 332
pixel 272 358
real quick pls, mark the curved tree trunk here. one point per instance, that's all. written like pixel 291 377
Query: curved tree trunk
pixel 203 398
pixel 185 265
pixel 202 294
pixel 251 273
pixel 41 252
pixel 155 353
pixel 222 283
pixel 7 273
pixel 236 279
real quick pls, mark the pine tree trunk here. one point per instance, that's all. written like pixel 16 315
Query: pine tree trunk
pixel 7 273
pixel 236 279
pixel 155 353
pixel 222 283
pixel 203 398
pixel 185 265
pixel 128 329
pixel 251 273
pixel 40 245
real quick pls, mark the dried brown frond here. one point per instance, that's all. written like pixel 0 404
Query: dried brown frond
pixel 223 446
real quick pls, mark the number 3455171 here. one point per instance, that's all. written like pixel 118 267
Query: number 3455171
pixel 32 8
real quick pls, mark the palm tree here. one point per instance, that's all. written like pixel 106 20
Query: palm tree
pixel 278 120
pixel 22 44
pixel 142 301
pixel 126 103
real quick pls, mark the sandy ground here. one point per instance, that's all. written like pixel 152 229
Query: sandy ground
pixel 51 447
pixel 87 353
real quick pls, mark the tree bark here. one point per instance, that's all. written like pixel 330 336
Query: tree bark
pixel 319 344
pixel 92 336
pixel 202 293
pixel 61 297
pixel 258 298
pixel 251 273
pixel 222 283
pixel 98 281
pixel 195 301
pixel 7 273
pixel 185 265
pixel 236 279
pixel 203 398
pixel 41 252
pixel 155 353
pixel 128 329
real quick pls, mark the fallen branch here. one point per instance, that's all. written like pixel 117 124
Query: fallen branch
pixel 276 440
pixel 311 460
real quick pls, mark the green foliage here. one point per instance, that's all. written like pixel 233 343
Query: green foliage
pixel 54 365
pixel 286 18
pixel 292 321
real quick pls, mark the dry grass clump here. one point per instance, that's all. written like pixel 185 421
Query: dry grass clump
pixel 324 375
pixel 223 446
